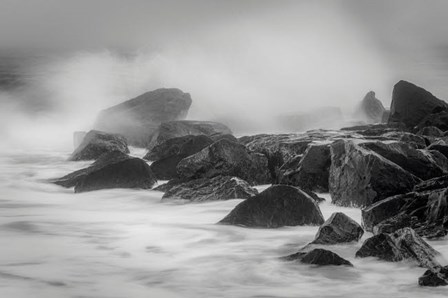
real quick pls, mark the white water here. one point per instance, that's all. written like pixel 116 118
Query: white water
pixel 126 243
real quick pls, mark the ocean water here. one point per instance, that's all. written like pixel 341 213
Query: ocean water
pixel 127 243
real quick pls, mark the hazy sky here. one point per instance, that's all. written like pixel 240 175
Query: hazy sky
pixel 242 59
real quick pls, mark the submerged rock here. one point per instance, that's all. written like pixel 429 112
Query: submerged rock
pixel 175 129
pixel 311 172
pixel 360 177
pixel 400 245
pixel 339 228
pixel 96 143
pixel 215 189
pixel 320 257
pixel 412 104
pixel 137 119
pixel 434 278
pixel 225 158
pixel 277 206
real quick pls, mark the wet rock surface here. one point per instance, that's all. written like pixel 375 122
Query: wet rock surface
pixel 339 228
pixel 319 257
pixel 277 206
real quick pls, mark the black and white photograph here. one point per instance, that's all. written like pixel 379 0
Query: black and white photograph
pixel 223 149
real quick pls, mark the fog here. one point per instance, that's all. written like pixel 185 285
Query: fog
pixel 243 63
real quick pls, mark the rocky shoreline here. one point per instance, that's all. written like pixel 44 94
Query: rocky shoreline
pixel 396 172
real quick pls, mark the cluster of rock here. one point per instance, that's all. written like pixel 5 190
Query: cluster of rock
pixel 397 172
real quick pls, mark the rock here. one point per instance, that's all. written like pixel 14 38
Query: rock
pixel 417 142
pixel 360 177
pixel 412 104
pixel 320 257
pixel 175 129
pixel 311 172
pixel 339 228
pixel 215 189
pixel 440 148
pixel 375 130
pixel 138 118
pixel 74 178
pixel 420 163
pixel 225 158
pixel 128 173
pixel 78 137
pixel 384 209
pixel 432 184
pixel 371 109
pixel 434 279
pixel 277 206
pixel 385 117
pixel 401 245
pixel 438 119
pixel 96 143
pixel 430 131
pixel 393 224
pixel 172 151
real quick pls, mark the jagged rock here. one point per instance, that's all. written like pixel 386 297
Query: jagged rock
pixel 375 130
pixel 172 151
pixel 360 177
pixel 434 279
pixel 311 172
pixel 401 245
pixel 418 142
pixel 138 118
pixel 215 189
pixel 371 109
pixel 393 224
pixel 420 163
pixel 432 184
pixel 339 228
pixel 412 104
pixel 320 257
pixel 96 143
pixel 277 206
pixel 438 119
pixel 175 129
pixel 225 158
pixel 430 131
pixel 127 173
pixel 72 179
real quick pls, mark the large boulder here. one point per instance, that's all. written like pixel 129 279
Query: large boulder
pixel 312 170
pixel 339 228
pixel 420 163
pixel 277 206
pixel 112 170
pixel 215 189
pixel 165 168
pixel 404 244
pixel 371 109
pixel 225 158
pixel 412 104
pixel 175 129
pixel 138 118
pixel 360 177
pixel 319 257
pixel 96 143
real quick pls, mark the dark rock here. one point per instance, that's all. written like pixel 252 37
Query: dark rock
pixel 215 189
pixel 418 142
pixel 385 117
pixel 440 148
pixel 432 184
pixel 393 224
pixel 415 161
pixel 430 131
pixel 311 172
pixel 175 129
pixel 411 104
pixel 402 244
pixel 339 228
pixel 128 173
pixel 172 152
pixel 434 279
pixel 360 177
pixel 138 118
pixel 320 257
pixel 225 158
pixel 96 143
pixel 375 130
pixel 438 119
pixel 277 206
pixel 74 178
pixel 371 109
